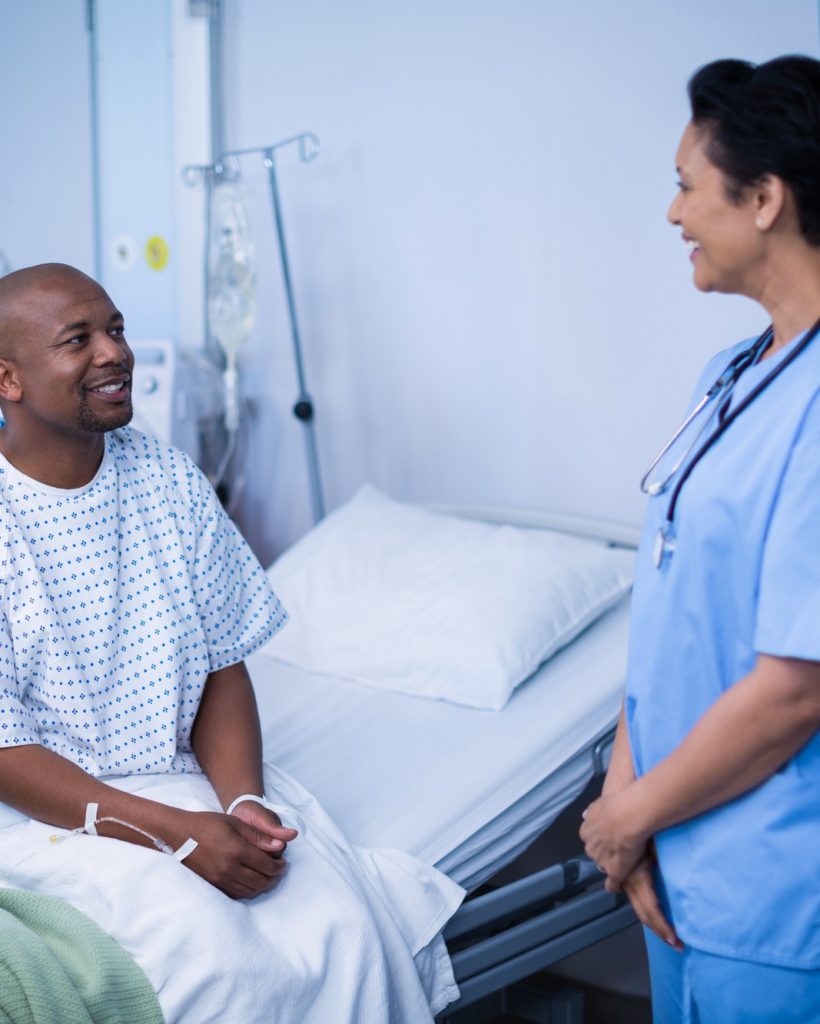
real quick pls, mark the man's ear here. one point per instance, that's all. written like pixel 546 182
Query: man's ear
pixel 10 387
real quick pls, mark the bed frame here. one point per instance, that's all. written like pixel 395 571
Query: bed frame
pixel 501 936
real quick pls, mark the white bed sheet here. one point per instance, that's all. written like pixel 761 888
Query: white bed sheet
pixel 349 935
pixel 460 788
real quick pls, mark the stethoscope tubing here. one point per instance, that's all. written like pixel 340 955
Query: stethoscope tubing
pixel 723 385
pixel 733 415
pixel 658 488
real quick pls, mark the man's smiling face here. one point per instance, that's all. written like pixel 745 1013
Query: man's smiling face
pixel 65 349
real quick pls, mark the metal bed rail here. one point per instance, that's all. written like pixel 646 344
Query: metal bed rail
pixel 500 937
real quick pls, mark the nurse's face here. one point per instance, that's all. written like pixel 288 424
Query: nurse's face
pixel 725 246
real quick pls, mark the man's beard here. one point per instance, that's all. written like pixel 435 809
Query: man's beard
pixel 90 421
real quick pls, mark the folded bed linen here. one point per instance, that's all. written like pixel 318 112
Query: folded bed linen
pixel 460 788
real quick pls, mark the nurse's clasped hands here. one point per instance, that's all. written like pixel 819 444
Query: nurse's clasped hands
pixel 626 855
pixel 612 836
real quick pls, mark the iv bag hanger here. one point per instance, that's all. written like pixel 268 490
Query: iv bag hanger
pixel 227 169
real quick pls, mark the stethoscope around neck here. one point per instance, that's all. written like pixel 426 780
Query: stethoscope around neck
pixel 720 390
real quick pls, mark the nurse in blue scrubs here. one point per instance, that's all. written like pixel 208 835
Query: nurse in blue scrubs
pixel 709 818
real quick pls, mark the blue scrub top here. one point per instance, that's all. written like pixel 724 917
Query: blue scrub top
pixel 744 879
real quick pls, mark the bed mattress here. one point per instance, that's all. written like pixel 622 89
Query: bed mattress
pixel 460 788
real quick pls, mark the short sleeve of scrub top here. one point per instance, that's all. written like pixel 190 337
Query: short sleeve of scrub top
pixel 788 614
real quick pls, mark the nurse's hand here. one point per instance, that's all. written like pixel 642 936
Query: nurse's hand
pixel 639 887
pixel 610 838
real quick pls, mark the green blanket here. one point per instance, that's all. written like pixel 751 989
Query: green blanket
pixel 58 967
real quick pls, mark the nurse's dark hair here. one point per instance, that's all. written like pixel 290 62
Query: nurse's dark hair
pixel 764 119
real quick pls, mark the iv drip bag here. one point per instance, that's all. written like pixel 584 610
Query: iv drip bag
pixel 231 272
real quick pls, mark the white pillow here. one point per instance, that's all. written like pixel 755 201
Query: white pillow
pixel 433 605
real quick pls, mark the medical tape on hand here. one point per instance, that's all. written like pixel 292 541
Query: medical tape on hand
pixel 91 819
pixel 187 848
pixel 90 828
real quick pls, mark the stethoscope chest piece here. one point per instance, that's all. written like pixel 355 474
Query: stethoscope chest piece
pixel 664 544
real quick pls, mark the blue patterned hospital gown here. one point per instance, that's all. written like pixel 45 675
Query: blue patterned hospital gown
pixel 119 598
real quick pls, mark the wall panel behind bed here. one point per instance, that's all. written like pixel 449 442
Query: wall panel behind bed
pixel 493 307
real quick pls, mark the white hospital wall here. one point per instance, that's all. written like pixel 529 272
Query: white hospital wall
pixel 152 120
pixel 152 94
pixel 493 307
pixel 46 195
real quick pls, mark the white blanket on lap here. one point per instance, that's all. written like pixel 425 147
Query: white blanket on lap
pixel 348 935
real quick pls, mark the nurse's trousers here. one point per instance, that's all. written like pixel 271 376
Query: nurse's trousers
pixel 693 987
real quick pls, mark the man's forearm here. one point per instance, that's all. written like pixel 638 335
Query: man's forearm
pixel 240 859
pixel 46 786
pixel 746 736
pixel 226 737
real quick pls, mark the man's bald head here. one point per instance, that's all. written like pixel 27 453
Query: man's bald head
pixel 61 340
pixel 65 372
pixel 20 290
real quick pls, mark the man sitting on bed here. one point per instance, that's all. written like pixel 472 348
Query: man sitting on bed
pixel 130 599
pixel 129 602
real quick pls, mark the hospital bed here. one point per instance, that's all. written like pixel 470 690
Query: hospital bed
pixel 468 789
pixel 464 788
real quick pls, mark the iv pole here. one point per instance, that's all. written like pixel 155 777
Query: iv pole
pixel 303 408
